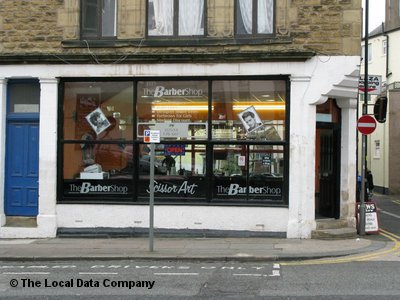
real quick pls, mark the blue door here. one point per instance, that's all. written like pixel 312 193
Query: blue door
pixel 22 149
pixel 22 163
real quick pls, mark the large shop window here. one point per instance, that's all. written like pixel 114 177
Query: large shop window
pixel 222 141
pixel 254 17
pixel 98 19
pixel 175 17
pixel 98 150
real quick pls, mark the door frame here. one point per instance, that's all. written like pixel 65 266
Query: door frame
pixel 26 118
pixel 336 130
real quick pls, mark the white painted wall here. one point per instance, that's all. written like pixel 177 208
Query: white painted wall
pixel 311 82
pixel 377 66
pixel 174 217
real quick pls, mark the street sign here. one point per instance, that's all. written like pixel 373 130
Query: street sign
pixel 366 124
pixel 151 136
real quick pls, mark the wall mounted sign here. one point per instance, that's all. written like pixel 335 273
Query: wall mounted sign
pixel 374 84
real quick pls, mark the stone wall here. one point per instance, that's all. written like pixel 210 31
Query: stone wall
pixel 394 144
pixel 331 27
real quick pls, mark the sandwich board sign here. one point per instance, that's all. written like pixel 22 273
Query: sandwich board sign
pixel 371 217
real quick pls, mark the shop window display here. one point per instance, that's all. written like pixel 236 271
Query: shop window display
pixel 248 173
pixel 98 150
pixel 179 109
pixel 179 172
pixel 229 146
pixel 235 103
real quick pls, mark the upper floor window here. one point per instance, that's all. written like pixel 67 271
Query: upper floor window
pixel 254 17
pixel 384 47
pixel 98 19
pixel 369 52
pixel 175 17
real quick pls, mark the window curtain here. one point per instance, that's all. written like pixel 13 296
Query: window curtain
pixel 163 17
pixel 246 10
pixel 108 20
pixel 265 16
pixel 191 15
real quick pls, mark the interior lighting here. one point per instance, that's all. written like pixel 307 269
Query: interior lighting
pixel 180 107
pixel 259 107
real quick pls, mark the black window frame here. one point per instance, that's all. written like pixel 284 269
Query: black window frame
pixel 254 32
pixel 98 34
pixel 175 24
pixel 209 146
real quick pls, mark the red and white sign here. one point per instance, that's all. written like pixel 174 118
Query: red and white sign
pixel 374 84
pixel 366 124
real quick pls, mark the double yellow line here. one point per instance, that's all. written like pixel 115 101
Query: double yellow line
pixel 391 236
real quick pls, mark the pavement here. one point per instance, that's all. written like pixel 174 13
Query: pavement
pixel 208 249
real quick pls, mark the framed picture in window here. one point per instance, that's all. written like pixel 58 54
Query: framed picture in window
pixel 250 119
pixel 98 121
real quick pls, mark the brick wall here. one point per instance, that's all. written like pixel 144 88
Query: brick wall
pixel 331 27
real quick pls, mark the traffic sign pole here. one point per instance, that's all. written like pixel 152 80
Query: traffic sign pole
pixel 151 204
pixel 364 136
pixel 151 136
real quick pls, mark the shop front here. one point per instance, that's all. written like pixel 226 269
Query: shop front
pixel 237 151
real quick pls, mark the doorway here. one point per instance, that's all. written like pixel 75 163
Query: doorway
pixel 327 166
pixel 22 149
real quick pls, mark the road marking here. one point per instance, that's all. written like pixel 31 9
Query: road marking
pixel 389 214
pixel 395 248
pixel 177 274
pixel 389 233
pixel 275 273
pixel 254 275
pixel 385 233
pixel 26 273
pixel 396 201
pixel 98 273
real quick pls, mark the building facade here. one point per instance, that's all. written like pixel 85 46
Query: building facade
pixel 255 102
pixel 383 143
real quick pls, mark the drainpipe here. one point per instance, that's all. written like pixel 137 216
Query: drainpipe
pixel 387 58
pixel 387 92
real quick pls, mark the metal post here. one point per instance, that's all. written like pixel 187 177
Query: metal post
pixel 151 204
pixel 364 137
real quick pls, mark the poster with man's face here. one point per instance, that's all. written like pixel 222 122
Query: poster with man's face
pixel 98 121
pixel 250 119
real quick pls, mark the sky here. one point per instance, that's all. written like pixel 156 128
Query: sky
pixel 376 13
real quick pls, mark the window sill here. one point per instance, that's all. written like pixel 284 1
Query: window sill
pixel 163 42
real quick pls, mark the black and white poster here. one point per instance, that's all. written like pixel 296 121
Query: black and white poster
pixel 250 119
pixel 98 121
